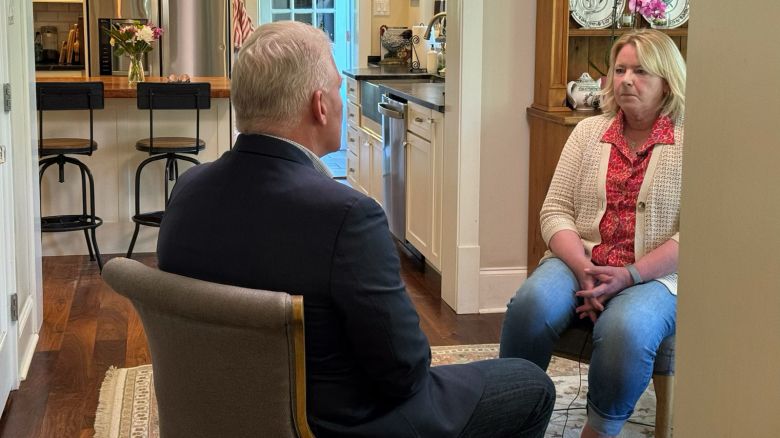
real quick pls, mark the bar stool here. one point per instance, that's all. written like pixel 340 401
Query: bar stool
pixel 167 96
pixel 59 96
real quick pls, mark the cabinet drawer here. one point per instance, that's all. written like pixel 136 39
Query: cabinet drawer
pixel 353 90
pixel 420 120
pixel 352 139
pixel 352 168
pixel 353 114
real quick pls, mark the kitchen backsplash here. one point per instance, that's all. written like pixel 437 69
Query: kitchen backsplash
pixel 60 15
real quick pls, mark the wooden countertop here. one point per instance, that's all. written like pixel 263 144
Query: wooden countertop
pixel 118 87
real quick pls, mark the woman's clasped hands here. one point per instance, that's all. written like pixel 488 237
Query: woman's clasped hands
pixel 599 284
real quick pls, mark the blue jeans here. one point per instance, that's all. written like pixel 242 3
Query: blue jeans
pixel 626 337
pixel 517 401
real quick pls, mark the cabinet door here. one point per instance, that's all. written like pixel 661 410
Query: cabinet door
pixel 364 163
pixel 437 160
pixel 377 172
pixel 419 193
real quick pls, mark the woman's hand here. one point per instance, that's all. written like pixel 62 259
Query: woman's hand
pixel 611 280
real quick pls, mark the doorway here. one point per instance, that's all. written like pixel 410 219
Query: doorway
pixel 334 18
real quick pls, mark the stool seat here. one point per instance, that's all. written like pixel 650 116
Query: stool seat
pixel 56 146
pixel 165 145
pixel 69 222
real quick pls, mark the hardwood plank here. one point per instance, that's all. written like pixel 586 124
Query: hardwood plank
pixel 63 415
pixel 137 349
pixel 24 415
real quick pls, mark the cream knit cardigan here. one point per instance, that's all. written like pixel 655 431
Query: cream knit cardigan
pixel 577 198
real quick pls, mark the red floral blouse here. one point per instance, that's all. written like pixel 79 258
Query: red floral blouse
pixel 625 174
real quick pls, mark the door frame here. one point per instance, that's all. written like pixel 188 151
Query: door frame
pixel 24 164
pixel 9 373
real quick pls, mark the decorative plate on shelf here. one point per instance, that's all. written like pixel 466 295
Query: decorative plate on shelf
pixel 677 12
pixel 595 14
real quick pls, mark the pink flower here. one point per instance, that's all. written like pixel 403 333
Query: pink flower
pixel 157 31
pixel 648 8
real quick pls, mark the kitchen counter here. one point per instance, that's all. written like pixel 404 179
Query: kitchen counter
pixel 118 87
pixel 385 72
pixel 428 94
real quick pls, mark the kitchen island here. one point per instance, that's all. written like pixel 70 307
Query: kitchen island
pixel 117 127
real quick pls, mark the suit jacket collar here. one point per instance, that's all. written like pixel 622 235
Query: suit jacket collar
pixel 259 144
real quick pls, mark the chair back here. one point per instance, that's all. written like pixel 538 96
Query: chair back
pixel 173 96
pixel 227 361
pixel 60 96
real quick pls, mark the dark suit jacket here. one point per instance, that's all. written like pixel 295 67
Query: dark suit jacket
pixel 262 217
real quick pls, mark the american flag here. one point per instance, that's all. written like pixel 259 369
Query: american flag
pixel 242 24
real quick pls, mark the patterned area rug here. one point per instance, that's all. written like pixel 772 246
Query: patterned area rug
pixel 127 406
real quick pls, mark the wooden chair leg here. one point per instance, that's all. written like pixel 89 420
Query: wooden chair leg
pixel 664 394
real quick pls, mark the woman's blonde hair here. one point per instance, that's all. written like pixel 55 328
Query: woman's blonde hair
pixel 658 55
pixel 276 72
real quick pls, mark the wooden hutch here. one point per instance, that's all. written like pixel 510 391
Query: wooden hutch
pixel 563 52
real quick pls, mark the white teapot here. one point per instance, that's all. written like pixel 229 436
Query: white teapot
pixel 581 93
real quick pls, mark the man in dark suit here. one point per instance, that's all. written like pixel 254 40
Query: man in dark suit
pixel 267 215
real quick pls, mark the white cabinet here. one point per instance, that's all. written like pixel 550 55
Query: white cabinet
pixel 364 162
pixel 369 176
pixel 424 181
pixel 353 149
pixel 364 155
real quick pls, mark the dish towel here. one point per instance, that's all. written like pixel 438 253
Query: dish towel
pixel 242 24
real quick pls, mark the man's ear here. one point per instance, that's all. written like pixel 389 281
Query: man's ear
pixel 319 109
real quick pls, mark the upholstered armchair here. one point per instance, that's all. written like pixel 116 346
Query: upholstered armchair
pixel 227 361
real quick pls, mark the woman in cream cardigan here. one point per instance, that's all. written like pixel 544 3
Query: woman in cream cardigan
pixel 611 223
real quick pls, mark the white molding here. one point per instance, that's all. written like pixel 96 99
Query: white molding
pixel 460 209
pixel 28 338
pixel 497 286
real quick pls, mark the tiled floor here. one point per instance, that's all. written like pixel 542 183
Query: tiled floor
pixel 337 163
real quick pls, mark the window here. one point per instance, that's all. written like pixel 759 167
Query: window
pixel 319 13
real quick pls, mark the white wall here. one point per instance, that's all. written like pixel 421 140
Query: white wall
pixel 728 343
pixel 509 28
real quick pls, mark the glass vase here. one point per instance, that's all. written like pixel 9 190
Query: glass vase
pixel 660 23
pixel 135 72
pixel 626 21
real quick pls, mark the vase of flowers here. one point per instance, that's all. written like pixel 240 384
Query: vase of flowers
pixel 134 40
pixel 654 11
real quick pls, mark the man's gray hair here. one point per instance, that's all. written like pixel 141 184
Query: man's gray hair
pixel 275 74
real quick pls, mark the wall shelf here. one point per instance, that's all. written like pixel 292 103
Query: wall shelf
pixel 676 32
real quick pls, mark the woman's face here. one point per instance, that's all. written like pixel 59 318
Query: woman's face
pixel 638 92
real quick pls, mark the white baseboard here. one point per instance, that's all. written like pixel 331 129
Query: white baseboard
pixel 497 286
pixel 28 339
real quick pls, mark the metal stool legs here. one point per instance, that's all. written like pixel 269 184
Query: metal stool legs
pixel 87 220
pixel 153 219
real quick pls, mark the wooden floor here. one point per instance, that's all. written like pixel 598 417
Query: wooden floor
pixel 88 327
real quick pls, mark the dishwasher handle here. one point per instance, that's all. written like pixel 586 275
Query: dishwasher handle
pixel 389 111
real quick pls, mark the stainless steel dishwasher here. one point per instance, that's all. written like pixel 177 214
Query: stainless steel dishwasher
pixel 393 113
